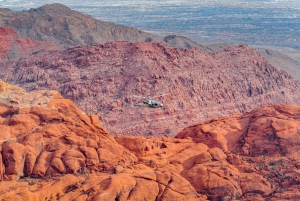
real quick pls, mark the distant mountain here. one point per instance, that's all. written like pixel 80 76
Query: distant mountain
pixel 289 62
pixel 68 28
pixel 56 23
pixel 196 85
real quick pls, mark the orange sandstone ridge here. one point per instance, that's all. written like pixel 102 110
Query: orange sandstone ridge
pixel 52 150
pixel 196 85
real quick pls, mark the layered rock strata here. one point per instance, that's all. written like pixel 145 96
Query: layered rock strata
pixel 193 85
pixel 264 141
pixel 52 150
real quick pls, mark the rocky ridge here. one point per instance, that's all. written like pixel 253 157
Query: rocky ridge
pixel 286 60
pixel 58 24
pixel 50 150
pixel 194 85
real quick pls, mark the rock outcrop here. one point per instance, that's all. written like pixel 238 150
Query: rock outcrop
pixel 44 134
pixel 52 150
pixel 13 46
pixel 196 86
pixel 264 141
pixel 269 131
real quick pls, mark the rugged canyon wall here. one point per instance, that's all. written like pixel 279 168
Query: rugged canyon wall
pixel 52 150
pixel 194 85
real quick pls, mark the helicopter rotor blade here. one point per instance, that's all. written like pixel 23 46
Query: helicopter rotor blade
pixel 150 97
pixel 159 96
pixel 139 96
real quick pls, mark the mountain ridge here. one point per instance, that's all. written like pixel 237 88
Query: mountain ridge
pixel 68 28
pixel 198 85
pixel 56 23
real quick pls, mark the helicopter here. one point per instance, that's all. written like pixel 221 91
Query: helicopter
pixel 147 103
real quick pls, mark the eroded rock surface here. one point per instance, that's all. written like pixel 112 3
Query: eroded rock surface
pixel 52 150
pixel 13 46
pixel 196 86
pixel 270 131
pixel 46 134
pixel 263 144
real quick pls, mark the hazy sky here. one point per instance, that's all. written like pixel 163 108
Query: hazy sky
pixel 23 4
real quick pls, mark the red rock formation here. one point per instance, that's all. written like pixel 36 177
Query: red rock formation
pixel 266 141
pixel 52 150
pixel 271 131
pixel 7 36
pixel 13 46
pixel 197 85
pixel 51 135
pixel 55 151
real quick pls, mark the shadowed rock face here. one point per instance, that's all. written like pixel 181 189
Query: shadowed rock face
pixel 50 149
pixel 66 28
pixel 196 86
pixel 13 46
pixel 269 131
pixel 266 138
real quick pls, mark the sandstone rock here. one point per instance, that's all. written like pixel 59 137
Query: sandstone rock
pixel 13 156
pixel 30 159
pixel 14 46
pixel 21 124
pixel 119 169
pixel 42 164
pixel 5 132
pixel 100 78
pixel 58 164
pixel 268 131
pixel 182 159
pixel 204 157
pixel 60 153
pixel 145 190
pixel 288 194
pixel 217 154
pixel 107 157
pixel 211 180
pixel 50 135
pixel 253 183
pixel 91 155
pixel 2 168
